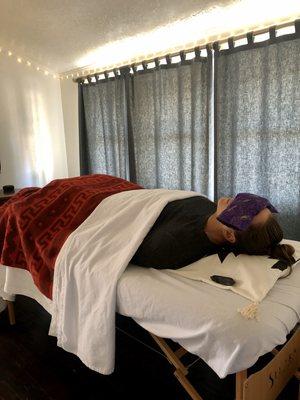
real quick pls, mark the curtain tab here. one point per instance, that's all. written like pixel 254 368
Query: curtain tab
pixel 168 58
pixel 272 32
pixel 250 38
pixel 182 56
pixel 208 48
pixel 126 70
pixel 216 46
pixel 297 27
pixel 144 64
pixel 231 43
pixel 156 60
pixel 197 53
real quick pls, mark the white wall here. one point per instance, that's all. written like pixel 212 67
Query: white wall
pixel 32 143
pixel 69 96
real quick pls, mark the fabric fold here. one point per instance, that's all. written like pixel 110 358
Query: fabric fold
pixel 88 268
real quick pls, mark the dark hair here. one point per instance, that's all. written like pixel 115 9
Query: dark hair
pixel 264 240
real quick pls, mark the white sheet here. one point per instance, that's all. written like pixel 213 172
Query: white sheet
pixel 203 318
pixel 19 281
pixel 88 267
pixel 2 305
pixel 198 316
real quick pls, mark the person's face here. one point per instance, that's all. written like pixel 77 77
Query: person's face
pixel 259 219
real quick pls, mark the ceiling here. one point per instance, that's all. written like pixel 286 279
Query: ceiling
pixel 59 33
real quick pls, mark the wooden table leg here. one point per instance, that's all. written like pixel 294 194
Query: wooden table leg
pixel 11 312
pixel 187 385
pixel 240 378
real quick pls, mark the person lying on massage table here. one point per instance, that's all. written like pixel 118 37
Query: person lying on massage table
pixel 192 228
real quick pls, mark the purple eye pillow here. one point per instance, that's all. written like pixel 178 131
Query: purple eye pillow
pixel 240 213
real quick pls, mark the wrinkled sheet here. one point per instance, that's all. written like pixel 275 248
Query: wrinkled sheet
pixel 89 266
pixel 204 319
pixel 200 317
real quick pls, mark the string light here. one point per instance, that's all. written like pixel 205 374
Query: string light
pixel 216 23
pixel 28 63
pixel 180 33
pixel 284 24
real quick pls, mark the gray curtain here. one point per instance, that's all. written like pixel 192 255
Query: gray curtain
pixel 170 126
pixel 103 128
pixel 258 127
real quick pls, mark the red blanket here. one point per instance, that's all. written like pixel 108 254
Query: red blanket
pixel 35 223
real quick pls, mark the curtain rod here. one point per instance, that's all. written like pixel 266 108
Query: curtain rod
pixel 188 50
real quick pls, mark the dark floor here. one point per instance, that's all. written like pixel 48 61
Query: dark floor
pixel 32 367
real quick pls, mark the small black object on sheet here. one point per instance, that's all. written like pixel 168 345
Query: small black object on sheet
pixel 223 280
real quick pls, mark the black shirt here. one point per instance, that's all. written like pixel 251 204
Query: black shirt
pixel 177 238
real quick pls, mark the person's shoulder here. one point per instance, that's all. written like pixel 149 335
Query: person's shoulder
pixel 200 203
pixel 183 209
pixel 199 199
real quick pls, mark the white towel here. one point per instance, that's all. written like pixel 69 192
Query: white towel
pixel 88 268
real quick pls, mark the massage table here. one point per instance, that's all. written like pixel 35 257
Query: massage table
pixel 204 321
pixel 92 282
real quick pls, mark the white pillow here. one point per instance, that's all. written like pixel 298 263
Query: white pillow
pixel 254 276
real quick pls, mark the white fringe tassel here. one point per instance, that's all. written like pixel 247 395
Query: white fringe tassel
pixel 250 311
